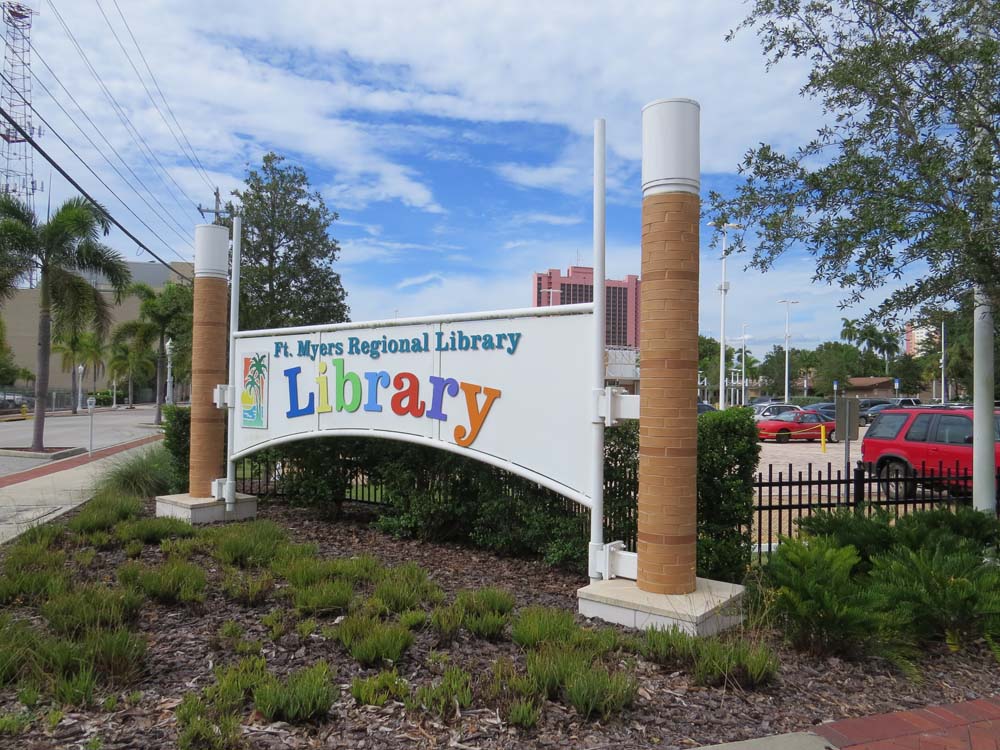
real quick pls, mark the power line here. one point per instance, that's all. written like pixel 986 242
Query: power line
pixel 149 93
pixel 122 116
pixel 84 193
pixel 166 212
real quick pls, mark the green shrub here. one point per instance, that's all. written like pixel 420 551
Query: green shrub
pixel 306 628
pixel 488 625
pixel 596 691
pixel 384 642
pixel 13 724
pixel 323 598
pixel 230 630
pixel 182 548
pixel 358 569
pixel 930 529
pixel 938 594
pixel 668 647
pixel 413 619
pixel 172 582
pixel 76 690
pixel 251 544
pixel 18 641
pixel 29 695
pixel 303 571
pixel 868 535
pixel 523 713
pixel 306 694
pixel 406 586
pixel 377 690
pixel 316 474
pixel 133 549
pixel 246 587
pixel 117 655
pixel 536 625
pixel 446 622
pixel 88 607
pixel 143 474
pixel 154 530
pixel 492 600
pixel 44 535
pixel 103 511
pixel 551 666
pixel 734 663
pixel 454 689
pixel 275 622
pixel 177 444
pixel 234 684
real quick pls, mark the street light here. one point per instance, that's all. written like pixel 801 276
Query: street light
pixel 743 362
pixel 723 290
pixel 550 292
pixel 170 371
pixel 79 389
pixel 788 311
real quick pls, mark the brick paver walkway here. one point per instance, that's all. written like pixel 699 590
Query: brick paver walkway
pixel 973 725
pixel 70 463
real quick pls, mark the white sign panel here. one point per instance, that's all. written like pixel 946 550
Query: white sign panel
pixel 511 390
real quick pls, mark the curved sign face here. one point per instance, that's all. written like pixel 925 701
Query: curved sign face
pixel 511 389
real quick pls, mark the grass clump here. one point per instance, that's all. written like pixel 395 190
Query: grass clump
pixel 13 724
pixel 488 600
pixel 405 587
pixel 202 727
pixel 246 587
pixel 446 622
pixel 552 665
pixel 358 569
pixel 452 691
pixel 234 684
pixel 89 607
pixel 133 549
pixel 76 690
pixel 182 548
pixel 32 571
pixel 595 691
pixel 537 625
pixel 173 582
pixel 252 544
pixel 668 647
pixel 28 695
pixel 305 695
pixel 378 690
pixel 104 511
pixel 44 535
pixel 323 598
pixel 524 713
pixel 734 663
pixel 143 474
pixel 384 643
pixel 154 530
pixel 117 655
pixel 306 628
pixel 487 625
pixel 276 623
pixel 230 630
pixel 413 619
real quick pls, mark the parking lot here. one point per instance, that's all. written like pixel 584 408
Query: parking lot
pixel 799 454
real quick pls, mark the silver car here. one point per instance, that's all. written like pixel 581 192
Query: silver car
pixel 770 411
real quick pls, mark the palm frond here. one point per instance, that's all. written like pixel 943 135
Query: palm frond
pixel 97 257
pixel 17 210
pixel 76 304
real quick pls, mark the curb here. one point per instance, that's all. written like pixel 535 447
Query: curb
pixel 72 463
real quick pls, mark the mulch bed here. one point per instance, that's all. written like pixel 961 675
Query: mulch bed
pixel 671 712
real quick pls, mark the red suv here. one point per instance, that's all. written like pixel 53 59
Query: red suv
pixel 921 441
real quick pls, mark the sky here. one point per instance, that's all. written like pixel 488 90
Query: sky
pixel 454 140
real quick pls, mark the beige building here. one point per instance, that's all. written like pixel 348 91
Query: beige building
pixel 20 316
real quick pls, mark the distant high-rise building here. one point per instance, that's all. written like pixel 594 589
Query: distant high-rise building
pixel 915 336
pixel 622 299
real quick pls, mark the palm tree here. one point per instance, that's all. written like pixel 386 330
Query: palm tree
pixel 69 344
pixel 849 330
pixel 93 352
pixel 130 360
pixel 162 315
pixel 59 250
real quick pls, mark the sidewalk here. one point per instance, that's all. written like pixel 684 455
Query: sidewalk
pixel 973 725
pixel 37 495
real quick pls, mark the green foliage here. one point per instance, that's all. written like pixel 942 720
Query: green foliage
pixel 383 642
pixel 85 557
pixel 595 691
pixel 487 600
pixel 76 690
pixel 252 544
pixel 44 535
pixel 234 684
pixel 306 628
pixel 406 586
pixel 669 647
pixel 413 619
pixel 134 548
pixel 143 474
pixel 353 628
pixel 379 689
pixel 536 625
pixel 488 625
pixel 316 474
pixel 177 444
pixel 117 655
pixel 930 529
pixel 302 571
pixel 552 665
pixel 183 548
pixel 88 607
pixel 17 644
pixel 323 598
pixel 446 622
pixel 275 622
pixel 230 630
pixel 728 453
pixel 29 695
pixel 523 713
pixel 14 724
pixel 32 571
pixel 440 699
pixel 173 582
pixel 305 695
pixel 247 588
pixel 736 663
pixel 868 535
pixel 154 530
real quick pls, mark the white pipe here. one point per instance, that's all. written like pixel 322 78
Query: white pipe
pixel 234 327
pixel 600 312
pixel 983 445
pixel 723 288
pixel 944 361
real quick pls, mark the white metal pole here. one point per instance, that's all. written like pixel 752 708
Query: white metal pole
pixel 944 361
pixel 723 288
pixel 234 326
pixel 79 388
pixel 983 450
pixel 743 362
pixel 597 442
pixel 788 309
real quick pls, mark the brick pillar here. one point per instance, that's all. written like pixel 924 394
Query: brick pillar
pixel 209 348
pixel 668 395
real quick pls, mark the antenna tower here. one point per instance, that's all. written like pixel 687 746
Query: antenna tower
pixel 18 176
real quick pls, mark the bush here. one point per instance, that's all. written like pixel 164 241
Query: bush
pixel 143 474
pixel 89 607
pixel 306 694
pixel 172 582
pixel 154 530
pixel 377 690
pixel 931 528
pixel 453 690
pixel 177 444
pixel 868 535
pixel 728 452
pixel 252 544
pixel 316 473
pixel 537 625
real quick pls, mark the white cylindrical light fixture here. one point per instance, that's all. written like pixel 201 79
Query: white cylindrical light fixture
pixel 673 163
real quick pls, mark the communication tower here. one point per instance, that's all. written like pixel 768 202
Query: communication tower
pixel 18 176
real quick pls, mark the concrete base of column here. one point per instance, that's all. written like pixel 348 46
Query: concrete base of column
pixel 199 510
pixel 714 606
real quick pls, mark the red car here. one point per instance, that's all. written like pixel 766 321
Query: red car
pixel 796 425
pixel 908 442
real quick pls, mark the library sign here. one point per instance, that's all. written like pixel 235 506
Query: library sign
pixel 510 389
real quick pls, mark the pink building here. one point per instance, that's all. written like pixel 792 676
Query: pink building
pixel 622 298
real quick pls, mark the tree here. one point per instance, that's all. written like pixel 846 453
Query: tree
pixel 59 250
pixel 162 315
pixel 69 344
pixel 287 275
pixel 909 370
pixel 130 360
pixel 9 371
pixel 903 178
pixel 838 361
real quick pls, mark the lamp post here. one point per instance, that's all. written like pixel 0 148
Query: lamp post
pixel 743 363
pixel 79 388
pixel 170 371
pixel 788 312
pixel 723 290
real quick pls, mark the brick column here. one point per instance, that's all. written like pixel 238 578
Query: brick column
pixel 209 346
pixel 668 395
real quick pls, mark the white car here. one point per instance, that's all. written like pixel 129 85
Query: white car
pixel 770 411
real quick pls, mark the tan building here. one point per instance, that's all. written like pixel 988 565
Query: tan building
pixel 20 316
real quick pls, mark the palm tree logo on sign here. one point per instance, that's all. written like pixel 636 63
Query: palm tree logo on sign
pixel 253 399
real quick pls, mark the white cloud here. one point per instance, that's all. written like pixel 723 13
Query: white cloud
pixel 555 220
pixel 415 281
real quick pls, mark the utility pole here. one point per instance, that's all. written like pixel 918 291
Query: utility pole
pixel 723 290
pixel 788 337
pixel 944 381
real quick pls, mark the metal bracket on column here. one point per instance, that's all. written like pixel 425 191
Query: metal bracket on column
pixel 219 488
pixel 614 562
pixel 623 405
pixel 224 396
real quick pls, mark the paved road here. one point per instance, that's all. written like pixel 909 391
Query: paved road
pixel 110 428
pixel 800 454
